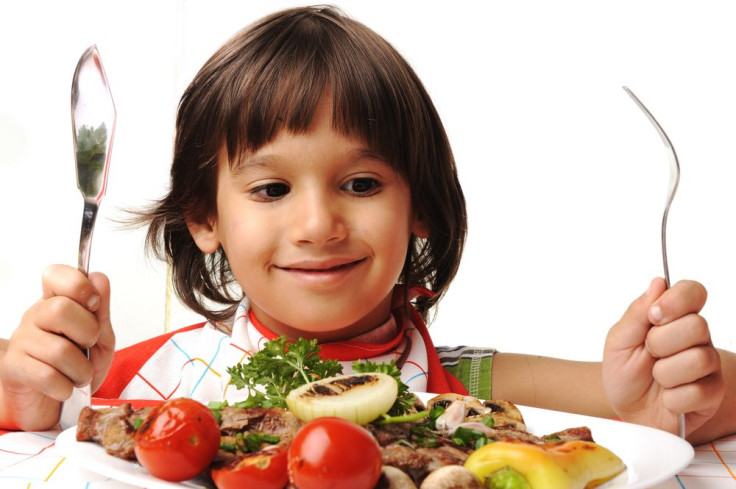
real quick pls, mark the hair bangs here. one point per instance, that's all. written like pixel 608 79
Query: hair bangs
pixel 283 76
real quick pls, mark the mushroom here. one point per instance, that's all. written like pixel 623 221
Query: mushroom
pixel 453 416
pixel 458 409
pixel 394 478
pixel 473 406
pixel 443 400
pixel 451 477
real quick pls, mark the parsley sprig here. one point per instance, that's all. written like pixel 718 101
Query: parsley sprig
pixel 280 367
pixel 404 400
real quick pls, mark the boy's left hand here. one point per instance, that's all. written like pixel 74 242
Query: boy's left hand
pixel 659 360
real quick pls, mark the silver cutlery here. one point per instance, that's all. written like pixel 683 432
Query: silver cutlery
pixel 93 124
pixel 674 165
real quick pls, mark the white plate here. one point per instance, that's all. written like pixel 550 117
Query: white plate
pixel 93 457
pixel 651 456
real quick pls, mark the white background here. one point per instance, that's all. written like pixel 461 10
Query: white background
pixel 565 178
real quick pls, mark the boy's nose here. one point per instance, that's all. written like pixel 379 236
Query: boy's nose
pixel 318 220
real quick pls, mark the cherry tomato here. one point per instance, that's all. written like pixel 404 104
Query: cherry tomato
pixel 265 470
pixel 177 440
pixel 334 453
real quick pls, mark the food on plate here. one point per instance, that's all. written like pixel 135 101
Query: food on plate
pixel 253 442
pixel 287 433
pixel 421 448
pixel 359 398
pixel 177 440
pixel 265 469
pixel 283 367
pixel 452 477
pixel 253 446
pixel 572 464
pixel 463 410
pixel 393 478
pixel 113 428
pixel 332 453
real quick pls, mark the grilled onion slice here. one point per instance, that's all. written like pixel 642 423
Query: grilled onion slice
pixel 360 398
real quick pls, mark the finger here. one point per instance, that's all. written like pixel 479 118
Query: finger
pixel 687 367
pixel 683 298
pixel 63 280
pixel 703 397
pixel 31 374
pixel 631 331
pixel 679 335
pixel 58 353
pixel 63 316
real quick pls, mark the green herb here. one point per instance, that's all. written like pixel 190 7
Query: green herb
pixel 250 443
pixel 404 418
pixel 427 442
pixel 280 367
pixel 405 400
pixel 405 443
pixel 137 422
pixel 552 438
pixel 435 413
pixel 91 153
pixel 216 407
pixel 228 447
pixel 470 438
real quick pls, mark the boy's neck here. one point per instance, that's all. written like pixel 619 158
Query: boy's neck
pixel 380 334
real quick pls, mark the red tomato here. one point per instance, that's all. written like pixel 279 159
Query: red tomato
pixel 265 470
pixel 334 453
pixel 177 440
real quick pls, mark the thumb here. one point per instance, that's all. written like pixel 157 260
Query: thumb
pixel 631 330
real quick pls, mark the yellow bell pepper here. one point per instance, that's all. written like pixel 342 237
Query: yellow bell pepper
pixel 566 465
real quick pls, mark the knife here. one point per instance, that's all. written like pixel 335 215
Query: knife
pixel 93 128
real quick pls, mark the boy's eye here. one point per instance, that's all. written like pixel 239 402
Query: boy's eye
pixel 362 186
pixel 270 191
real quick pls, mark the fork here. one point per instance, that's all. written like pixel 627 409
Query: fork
pixel 672 188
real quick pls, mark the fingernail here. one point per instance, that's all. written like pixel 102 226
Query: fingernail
pixel 93 301
pixel 655 312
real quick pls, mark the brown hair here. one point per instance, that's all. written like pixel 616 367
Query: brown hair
pixel 270 77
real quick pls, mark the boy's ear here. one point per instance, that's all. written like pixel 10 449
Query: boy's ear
pixel 204 235
pixel 419 229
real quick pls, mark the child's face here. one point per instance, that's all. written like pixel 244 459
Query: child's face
pixel 316 230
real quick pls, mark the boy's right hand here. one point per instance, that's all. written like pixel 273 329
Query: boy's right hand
pixel 44 359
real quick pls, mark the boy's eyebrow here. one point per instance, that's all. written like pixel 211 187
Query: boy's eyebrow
pixel 250 162
pixel 369 154
pixel 258 161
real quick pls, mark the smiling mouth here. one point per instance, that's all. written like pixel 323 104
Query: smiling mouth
pixel 342 266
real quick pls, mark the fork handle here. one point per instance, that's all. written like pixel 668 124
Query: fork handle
pixel 85 239
pixel 89 216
